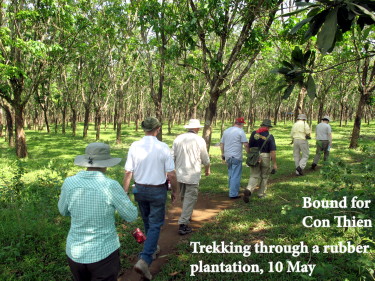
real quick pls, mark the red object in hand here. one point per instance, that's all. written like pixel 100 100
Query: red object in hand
pixel 139 236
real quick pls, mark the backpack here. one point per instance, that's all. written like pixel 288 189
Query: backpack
pixel 252 159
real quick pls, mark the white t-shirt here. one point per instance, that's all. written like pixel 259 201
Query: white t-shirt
pixel 149 160
pixel 233 139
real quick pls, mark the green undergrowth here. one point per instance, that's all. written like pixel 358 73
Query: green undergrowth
pixel 33 233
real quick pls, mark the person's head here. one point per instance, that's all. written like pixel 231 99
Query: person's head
pixel 302 117
pixel 240 121
pixel 326 119
pixel 151 126
pixel 266 123
pixel 194 125
pixel 97 157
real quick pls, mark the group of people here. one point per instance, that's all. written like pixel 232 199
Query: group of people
pixel 234 141
pixel 91 199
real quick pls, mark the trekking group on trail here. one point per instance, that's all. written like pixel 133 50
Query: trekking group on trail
pixel 91 199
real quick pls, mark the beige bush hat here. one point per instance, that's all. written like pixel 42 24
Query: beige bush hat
pixel 193 123
pixel 97 155
pixel 302 117
pixel 326 117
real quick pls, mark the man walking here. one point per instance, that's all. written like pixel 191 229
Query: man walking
pixel 189 152
pixel 149 161
pixel 231 151
pixel 323 140
pixel 260 173
pixel 300 133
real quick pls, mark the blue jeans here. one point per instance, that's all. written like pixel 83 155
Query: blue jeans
pixel 234 176
pixel 151 202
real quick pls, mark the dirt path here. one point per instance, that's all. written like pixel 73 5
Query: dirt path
pixel 207 207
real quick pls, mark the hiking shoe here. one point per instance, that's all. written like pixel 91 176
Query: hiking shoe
pixel 184 229
pixel 299 170
pixel 246 195
pixel 141 267
pixel 157 251
pixel 236 197
pixel 313 166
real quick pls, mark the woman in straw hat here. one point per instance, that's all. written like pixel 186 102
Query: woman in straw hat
pixel 91 199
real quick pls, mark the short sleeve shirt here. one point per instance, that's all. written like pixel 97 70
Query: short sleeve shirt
pixel 149 160
pixel 256 140
pixel 323 130
pixel 233 139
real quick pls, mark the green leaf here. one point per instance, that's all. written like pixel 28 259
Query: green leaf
pixel 299 25
pixel 326 36
pixel 311 87
pixel 287 64
pixel 297 56
pixel 365 11
pixel 288 91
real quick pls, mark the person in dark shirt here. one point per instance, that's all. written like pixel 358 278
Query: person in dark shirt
pixel 260 173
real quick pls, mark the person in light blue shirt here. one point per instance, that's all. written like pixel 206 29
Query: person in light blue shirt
pixel 91 200
pixel 231 144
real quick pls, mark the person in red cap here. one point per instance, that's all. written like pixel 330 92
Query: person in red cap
pixel 231 152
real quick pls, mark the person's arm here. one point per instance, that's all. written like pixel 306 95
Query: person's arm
pixel 173 180
pixel 330 139
pixel 207 170
pixel 246 146
pixel 63 204
pixel 273 158
pixel 222 151
pixel 127 177
pixel 126 209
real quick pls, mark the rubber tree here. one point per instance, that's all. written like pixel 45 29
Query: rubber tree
pixel 229 35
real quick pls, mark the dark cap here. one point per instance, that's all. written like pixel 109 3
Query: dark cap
pixel 266 123
pixel 150 123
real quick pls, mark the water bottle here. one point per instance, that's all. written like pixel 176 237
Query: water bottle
pixel 329 148
pixel 139 236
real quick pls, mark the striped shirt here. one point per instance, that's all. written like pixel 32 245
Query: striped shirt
pixel 91 199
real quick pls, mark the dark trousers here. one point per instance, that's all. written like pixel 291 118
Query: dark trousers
pixel 106 270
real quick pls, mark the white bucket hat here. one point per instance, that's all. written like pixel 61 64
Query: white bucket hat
pixel 97 155
pixel 326 117
pixel 193 123
pixel 302 117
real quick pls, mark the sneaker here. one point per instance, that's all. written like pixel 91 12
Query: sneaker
pixel 299 170
pixel 141 267
pixel 157 251
pixel 236 197
pixel 246 195
pixel 313 166
pixel 184 229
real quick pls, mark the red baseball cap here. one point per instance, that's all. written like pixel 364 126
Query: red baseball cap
pixel 240 120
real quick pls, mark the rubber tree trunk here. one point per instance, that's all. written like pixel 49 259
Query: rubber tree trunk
pixel 9 123
pixel 300 103
pixel 86 120
pixel 357 121
pixel 209 117
pixel 21 148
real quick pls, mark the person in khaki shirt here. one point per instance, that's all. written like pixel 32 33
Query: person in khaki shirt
pixel 189 153
pixel 301 149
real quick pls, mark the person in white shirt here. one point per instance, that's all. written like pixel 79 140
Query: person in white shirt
pixel 323 140
pixel 189 153
pixel 301 151
pixel 149 162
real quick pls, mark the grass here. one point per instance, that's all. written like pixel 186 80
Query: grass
pixel 32 233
